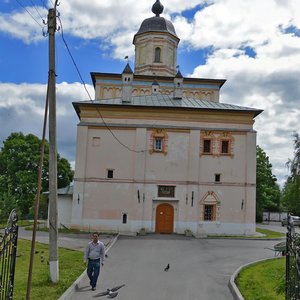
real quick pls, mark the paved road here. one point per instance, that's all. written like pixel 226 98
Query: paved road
pixel 68 240
pixel 200 268
pixel 276 226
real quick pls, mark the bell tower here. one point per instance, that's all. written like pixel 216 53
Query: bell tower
pixel 156 45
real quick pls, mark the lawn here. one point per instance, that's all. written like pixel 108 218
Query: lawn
pixel 263 280
pixel 70 267
pixel 270 234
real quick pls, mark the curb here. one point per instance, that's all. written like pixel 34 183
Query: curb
pixel 67 295
pixel 231 284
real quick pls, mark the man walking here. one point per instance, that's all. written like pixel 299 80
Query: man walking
pixel 94 255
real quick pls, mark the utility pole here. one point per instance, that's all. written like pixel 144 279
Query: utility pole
pixel 53 230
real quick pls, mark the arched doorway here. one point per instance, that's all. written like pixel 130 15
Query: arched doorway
pixel 164 218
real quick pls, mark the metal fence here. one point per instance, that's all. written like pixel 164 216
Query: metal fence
pixel 292 291
pixel 8 251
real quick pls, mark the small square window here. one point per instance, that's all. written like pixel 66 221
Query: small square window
pixel 158 144
pixel 217 177
pixel 206 146
pixel 225 147
pixel 110 173
pixel 96 141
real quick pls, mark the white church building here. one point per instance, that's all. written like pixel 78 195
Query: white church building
pixel 159 152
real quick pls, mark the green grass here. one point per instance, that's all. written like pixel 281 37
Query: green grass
pixel 263 281
pixel 70 267
pixel 22 223
pixel 268 234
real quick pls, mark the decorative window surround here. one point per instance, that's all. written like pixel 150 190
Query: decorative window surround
pixel 225 143
pixel 159 141
pixel 221 143
pixel 210 199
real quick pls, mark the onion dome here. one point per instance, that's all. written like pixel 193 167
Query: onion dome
pixel 157 23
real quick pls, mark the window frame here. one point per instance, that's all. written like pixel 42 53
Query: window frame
pixel 227 146
pixel 212 213
pixel 158 134
pixel 124 218
pixel 157 54
pixel 217 176
pixel 155 140
pixel 210 146
pixel 96 141
pixel 109 171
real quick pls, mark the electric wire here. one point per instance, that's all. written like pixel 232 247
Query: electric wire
pixel 35 7
pixel 29 13
pixel 44 3
pixel 84 85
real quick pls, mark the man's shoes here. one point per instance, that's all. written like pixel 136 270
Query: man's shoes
pixel 93 289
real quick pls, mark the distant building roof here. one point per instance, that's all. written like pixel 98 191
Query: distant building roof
pixel 168 101
pixel 68 190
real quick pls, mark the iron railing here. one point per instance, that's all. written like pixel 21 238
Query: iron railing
pixel 8 251
pixel 292 291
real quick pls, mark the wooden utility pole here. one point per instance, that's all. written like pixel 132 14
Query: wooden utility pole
pixel 53 229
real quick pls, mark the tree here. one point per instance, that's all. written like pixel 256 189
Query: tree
pixel 19 160
pixel 267 189
pixel 291 190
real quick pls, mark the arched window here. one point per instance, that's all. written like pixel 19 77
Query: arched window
pixel 157 54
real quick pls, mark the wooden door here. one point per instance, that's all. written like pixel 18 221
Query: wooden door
pixel 164 218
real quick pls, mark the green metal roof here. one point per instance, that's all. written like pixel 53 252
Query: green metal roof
pixel 168 101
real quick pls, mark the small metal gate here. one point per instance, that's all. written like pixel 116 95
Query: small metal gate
pixel 292 291
pixel 8 251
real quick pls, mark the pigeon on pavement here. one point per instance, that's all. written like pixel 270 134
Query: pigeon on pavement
pixel 111 293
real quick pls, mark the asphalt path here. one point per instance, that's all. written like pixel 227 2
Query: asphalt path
pixel 65 240
pixel 199 268
pixel 276 226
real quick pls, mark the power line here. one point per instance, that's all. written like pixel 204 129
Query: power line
pixel 84 85
pixel 29 13
pixel 36 10
pixel 44 3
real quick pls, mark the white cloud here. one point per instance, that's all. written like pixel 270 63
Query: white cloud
pixel 22 110
pixel 270 80
pixel 271 84
pixel 26 26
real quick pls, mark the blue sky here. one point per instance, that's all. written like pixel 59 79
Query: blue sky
pixel 31 63
pixel 255 45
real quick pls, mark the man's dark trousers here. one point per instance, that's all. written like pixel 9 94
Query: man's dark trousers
pixel 93 270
